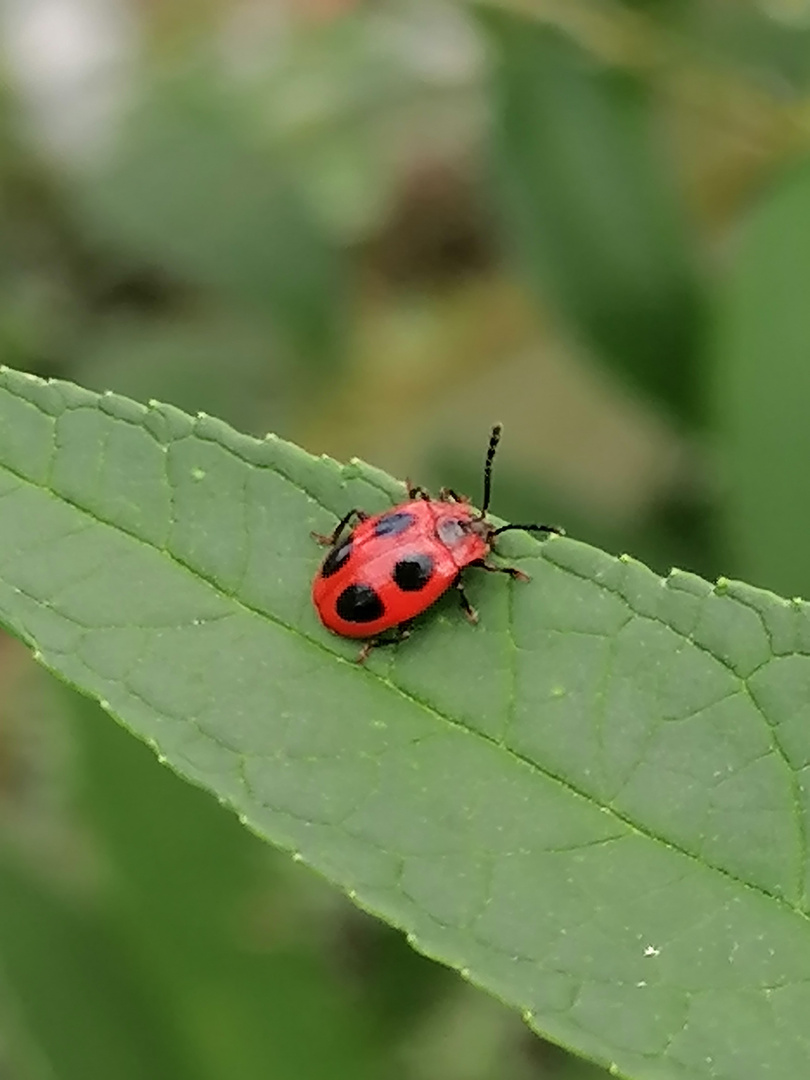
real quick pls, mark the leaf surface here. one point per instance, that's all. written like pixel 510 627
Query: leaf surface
pixel 594 804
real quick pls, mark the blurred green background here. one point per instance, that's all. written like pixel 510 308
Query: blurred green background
pixel 376 228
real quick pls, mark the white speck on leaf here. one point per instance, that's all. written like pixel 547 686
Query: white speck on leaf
pixel 652 951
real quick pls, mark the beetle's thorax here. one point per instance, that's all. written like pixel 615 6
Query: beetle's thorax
pixel 466 535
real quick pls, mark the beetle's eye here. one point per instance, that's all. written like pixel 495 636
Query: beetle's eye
pixel 451 531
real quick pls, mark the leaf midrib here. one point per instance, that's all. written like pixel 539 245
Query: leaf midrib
pixel 409 696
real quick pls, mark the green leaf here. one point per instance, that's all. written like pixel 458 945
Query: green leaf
pixel 594 804
pixel 762 389
pixel 589 207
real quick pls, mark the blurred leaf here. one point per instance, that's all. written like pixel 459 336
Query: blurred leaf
pixel 763 389
pixel 588 206
pixel 248 992
pixel 593 805
pixel 192 190
pixel 750 36
pixel 201 362
pixel 77 988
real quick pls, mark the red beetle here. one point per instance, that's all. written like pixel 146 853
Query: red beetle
pixel 394 565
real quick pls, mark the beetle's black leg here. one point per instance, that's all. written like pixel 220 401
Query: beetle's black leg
pixel 512 571
pixel 400 633
pixel 448 495
pixel 332 539
pixel 466 606
pixel 555 530
pixel 416 492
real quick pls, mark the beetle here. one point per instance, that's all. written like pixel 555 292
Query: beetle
pixel 392 566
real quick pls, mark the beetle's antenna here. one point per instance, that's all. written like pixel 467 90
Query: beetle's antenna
pixel 494 439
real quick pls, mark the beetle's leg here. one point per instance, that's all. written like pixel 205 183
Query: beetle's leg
pixel 466 606
pixel 512 571
pixel 416 492
pixel 555 530
pixel 332 539
pixel 400 633
pixel 448 495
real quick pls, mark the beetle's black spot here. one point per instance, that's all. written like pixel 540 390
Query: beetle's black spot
pixel 413 572
pixel 359 603
pixel 451 531
pixel 393 524
pixel 336 558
